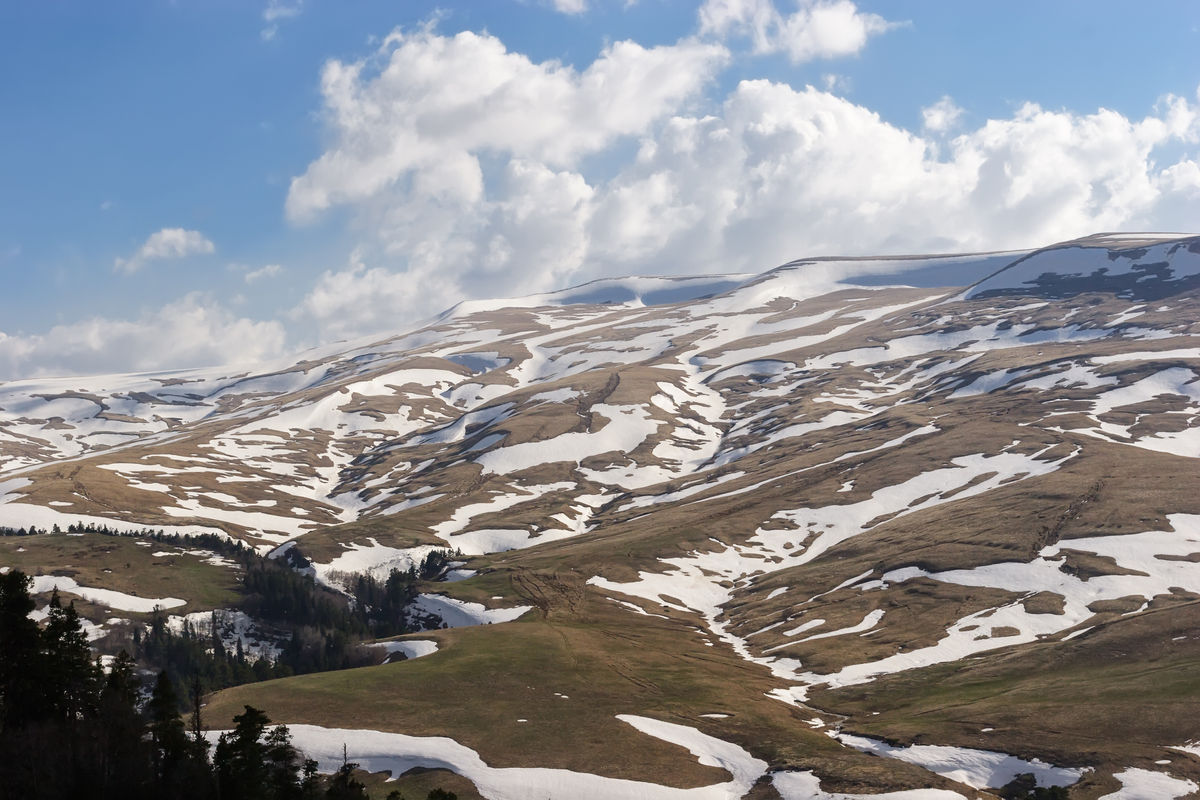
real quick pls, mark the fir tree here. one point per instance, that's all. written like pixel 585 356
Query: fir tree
pixel 20 651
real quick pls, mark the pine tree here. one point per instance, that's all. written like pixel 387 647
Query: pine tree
pixel 73 678
pixel 124 767
pixel 283 762
pixel 241 758
pixel 20 653
pixel 167 735
pixel 343 786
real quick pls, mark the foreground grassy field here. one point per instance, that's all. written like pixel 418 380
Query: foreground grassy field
pixel 568 672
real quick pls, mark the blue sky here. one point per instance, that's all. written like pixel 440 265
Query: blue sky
pixel 202 181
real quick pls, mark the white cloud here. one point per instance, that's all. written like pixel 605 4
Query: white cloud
pixel 782 173
pixel 361 299
pixel 570 6
pixel 816 29
pixel 269 271
pixel 834 82
pixel 193 331
pixel 275 11
pixel 942 115
pixel 470 188
pixel 168 243
pixel 421 120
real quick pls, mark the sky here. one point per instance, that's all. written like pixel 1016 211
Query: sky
pixel 195 182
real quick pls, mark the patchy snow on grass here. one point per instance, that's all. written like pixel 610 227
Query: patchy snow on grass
pixel 410 648
pixel 104 597
pixel 1190 747
pixel 807 786
pixel 704 581
pixel 1144 784
pixel 233 627
pixel 1079 262
pixel 1178 354
pixel 498 540
pixel 23 515
pixel 1158 559
pixel 460 613
pixel 869 622
pixel 679 494
pixel 980 769
pixel 626 428
pixel 463 515
pixel 268 526
pixel 378 751
pixel 709 750
pixel 555 396
pixel 372 559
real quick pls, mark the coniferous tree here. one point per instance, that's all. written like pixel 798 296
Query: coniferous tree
pixel 68 663
pixel 167 735
pixel 343 785
pixel 20 650
pixel 254 764
pixel 283 763
pixel 310 783
pixel 124 769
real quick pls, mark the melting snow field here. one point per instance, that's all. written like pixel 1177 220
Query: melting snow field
pixel 978 768
pixel 1160 557
pixel 104 597
pixel 411 648
pixel 374 559
pixel 704 582
pixel 806 786
pixel 234 628
pixel 377 751
pixel 461 614
pixel 396 753
pixel 1143 784
pixel 744 340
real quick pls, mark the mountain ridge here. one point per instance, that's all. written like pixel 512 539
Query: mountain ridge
pixel 836 474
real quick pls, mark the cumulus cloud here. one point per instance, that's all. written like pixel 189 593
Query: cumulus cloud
pixel 470 188
pixel 783 173
pixel 269 271
pixel 942 115
pixel 168 243
pixel 419 116
pixel 816 29
pixel 359 299
pixel 193 331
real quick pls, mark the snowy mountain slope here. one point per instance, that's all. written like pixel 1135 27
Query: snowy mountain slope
pixel 843 471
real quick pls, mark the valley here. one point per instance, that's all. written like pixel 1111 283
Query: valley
pixel 901 527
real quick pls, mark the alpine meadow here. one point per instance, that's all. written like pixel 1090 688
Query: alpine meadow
pixel 599 400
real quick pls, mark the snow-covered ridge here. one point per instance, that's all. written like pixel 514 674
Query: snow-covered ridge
pixel 787 465
pixel 346 435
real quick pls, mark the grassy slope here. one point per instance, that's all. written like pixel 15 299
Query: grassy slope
pixel 607 662
pixel 121 564
pixel 1117 696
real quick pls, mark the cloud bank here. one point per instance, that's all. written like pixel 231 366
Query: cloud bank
pixel 470 188
pixel 469 170
pixel 193 331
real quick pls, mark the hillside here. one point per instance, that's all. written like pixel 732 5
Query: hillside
pixel 735 536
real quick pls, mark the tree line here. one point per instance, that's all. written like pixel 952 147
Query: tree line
pixel 321 629
pixel 70 730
